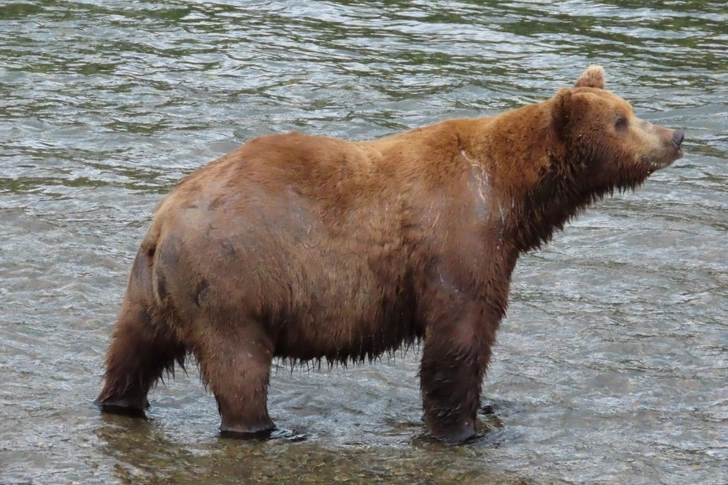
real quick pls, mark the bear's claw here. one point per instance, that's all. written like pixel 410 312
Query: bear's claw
pixel 256 433
pixel 121 407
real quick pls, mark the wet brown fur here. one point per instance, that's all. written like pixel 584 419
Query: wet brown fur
pixel 308 247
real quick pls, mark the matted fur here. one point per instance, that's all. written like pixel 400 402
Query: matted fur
pixel 310 248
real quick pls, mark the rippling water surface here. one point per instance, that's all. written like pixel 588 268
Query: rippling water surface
pixel 612 365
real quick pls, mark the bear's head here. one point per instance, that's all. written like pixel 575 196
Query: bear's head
pixel 584 143
pixel 606 144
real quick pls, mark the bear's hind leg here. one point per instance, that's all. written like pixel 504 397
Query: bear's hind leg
pixel 235 361
pixel 141 351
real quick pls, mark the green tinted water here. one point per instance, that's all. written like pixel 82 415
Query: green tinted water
pixel 613 362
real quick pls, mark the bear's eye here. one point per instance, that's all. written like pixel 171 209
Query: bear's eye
pixel 621 123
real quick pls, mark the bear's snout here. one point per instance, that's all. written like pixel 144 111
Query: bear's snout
pixel 677 138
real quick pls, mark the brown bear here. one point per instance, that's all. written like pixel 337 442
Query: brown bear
pixel 306 247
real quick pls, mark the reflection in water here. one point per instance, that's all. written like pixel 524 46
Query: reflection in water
pixel 144 453
pixel 611 366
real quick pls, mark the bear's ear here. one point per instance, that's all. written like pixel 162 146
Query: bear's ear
pixel 560 109
pixel 593 77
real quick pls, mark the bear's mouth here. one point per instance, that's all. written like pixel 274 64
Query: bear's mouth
pixel 654 164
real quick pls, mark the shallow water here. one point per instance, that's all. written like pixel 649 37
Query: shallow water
pixel 612 365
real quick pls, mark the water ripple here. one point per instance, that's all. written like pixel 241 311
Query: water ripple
pixel 105 104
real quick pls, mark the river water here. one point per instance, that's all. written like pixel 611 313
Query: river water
pixel 612 365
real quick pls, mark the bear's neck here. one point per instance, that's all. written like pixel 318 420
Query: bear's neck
pixel 547 210
pixel 532 173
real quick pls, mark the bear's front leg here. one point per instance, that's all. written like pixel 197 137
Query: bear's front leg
pixel 456 354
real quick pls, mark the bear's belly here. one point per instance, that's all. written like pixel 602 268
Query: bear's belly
pixel 317 295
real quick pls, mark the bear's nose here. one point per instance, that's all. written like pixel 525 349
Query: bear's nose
pixel 677 138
